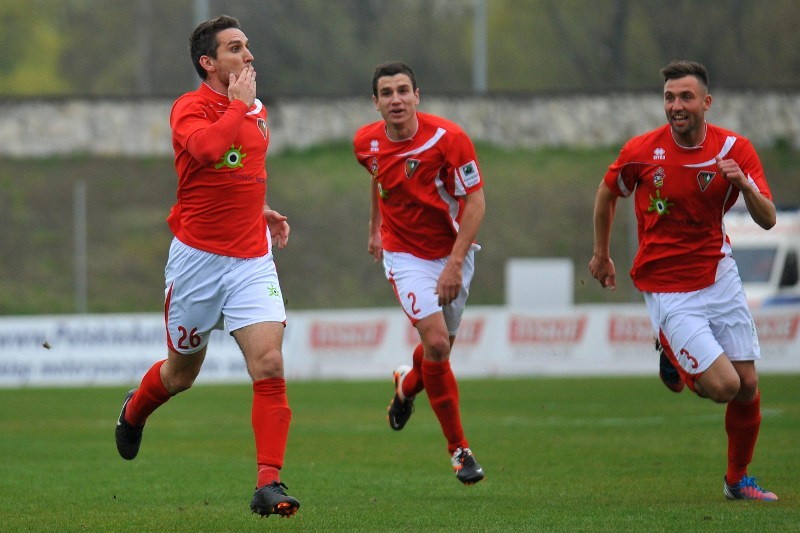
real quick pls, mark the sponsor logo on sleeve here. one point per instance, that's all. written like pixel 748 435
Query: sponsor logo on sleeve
pixel 469 174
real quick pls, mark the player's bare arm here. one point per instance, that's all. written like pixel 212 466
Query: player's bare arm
pixel 449 283
pixel 374 242
pixel 278 226
pixel 761 208
pixel 601 266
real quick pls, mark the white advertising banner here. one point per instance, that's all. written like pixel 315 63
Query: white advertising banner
pixel 79 350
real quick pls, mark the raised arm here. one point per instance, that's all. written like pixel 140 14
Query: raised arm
pixel 761 208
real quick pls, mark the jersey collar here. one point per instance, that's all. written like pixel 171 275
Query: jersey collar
pixel 698 146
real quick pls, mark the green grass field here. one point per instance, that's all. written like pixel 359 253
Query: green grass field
pixel 600 454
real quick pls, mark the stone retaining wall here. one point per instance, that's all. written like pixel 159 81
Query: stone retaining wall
pixel 118 127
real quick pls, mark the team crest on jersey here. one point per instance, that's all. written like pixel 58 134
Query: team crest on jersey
pixel 373 167
pixel 411 166
pixel 262 126
pixel 659 205
pixel 704 179
pixel 658 178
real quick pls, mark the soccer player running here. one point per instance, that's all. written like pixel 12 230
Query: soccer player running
pixel 684 177
pixel 220 267
pixel 427 206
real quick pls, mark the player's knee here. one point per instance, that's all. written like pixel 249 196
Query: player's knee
pixel 437 348
pixel 178 382
pixel 725 390
pixel 268 364
pixel 748 388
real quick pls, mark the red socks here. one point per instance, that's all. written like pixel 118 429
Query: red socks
pixel 271 416
pixel 442 389
pixel 150 395
pixel 742 422
pixel 412 383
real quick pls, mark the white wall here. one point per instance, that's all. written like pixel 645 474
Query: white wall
pixel 538 284
pixel 366 344
pixel 115 127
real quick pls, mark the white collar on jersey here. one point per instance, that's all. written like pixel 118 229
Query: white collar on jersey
pixel 698 145
pixel 254 110
pixel 410 137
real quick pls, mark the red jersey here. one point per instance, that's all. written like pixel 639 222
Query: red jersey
pixel 422 183
pixel 220 152
pixel 680 199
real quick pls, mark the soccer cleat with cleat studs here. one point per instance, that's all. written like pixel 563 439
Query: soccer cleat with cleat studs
pixel 667 372
pixel 400 408
pixel 272 499
pixel 747 489
pixel 128 437
pixel 468 471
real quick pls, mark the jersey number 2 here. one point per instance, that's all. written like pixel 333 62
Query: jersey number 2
pixel 413 298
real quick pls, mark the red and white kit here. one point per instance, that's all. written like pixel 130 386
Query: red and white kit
pixel 422 183
pixel 684 265
pixel 220 263
pixel 680 200
pixel 220 152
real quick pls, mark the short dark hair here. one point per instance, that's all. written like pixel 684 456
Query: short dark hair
pixel 682 68
pixel 390 68
pixel 203 41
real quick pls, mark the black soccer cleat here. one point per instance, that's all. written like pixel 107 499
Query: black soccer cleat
pixel 468 471
pixel 129 437
pixel 271 499
pixel 667 372
pixel 400 409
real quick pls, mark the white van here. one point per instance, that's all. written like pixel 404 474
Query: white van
pixel 767 260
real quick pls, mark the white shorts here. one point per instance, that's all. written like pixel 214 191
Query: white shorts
pixel 699 326
pixel 206 291
pixel 414 281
